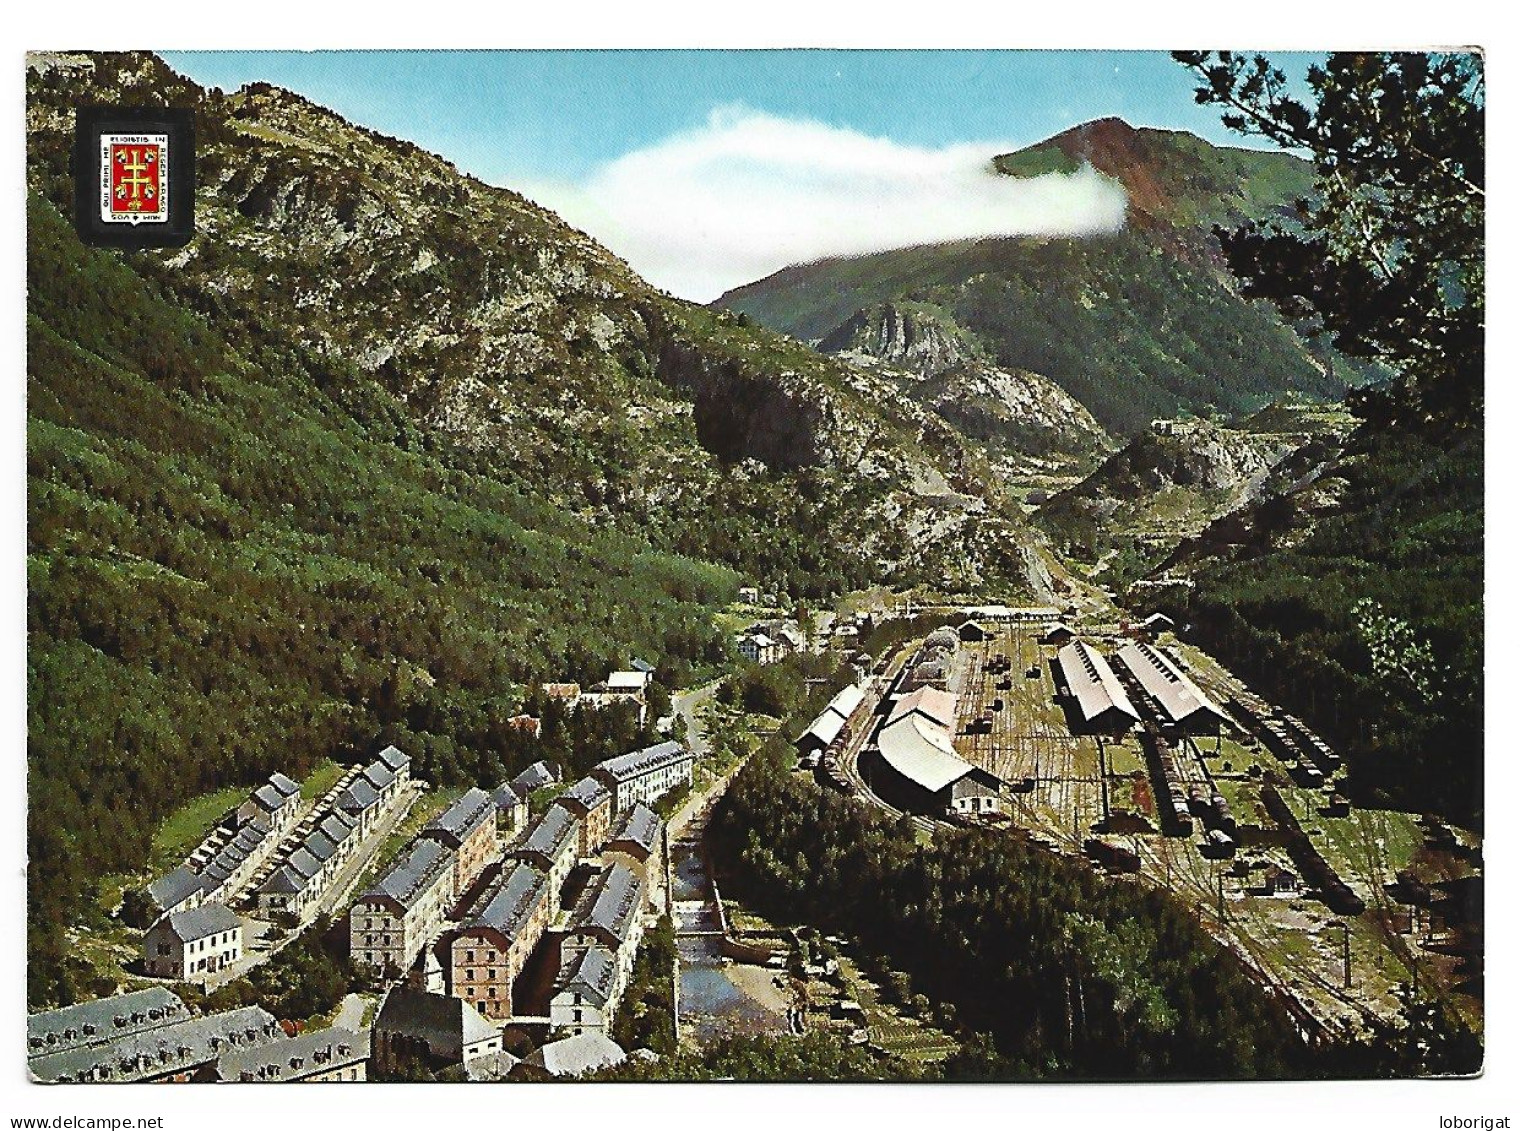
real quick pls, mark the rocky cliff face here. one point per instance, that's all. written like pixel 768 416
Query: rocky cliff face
pixel 1166 485
pixel 1023 417
pixel 503 329
pixel 901 336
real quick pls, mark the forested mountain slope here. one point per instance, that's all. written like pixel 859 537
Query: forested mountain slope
pixel 510 334
pixel 1357 592
pixel 379 449
pixel 1139 324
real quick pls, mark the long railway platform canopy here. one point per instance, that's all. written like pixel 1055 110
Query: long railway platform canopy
pixel 1178 696
pixel 1099 694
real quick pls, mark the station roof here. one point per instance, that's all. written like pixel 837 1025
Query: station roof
pixel 573 1056
pixel 921 750
pixel 1093 682
pixel 935 705
pixel 1165 682
pixel 848 698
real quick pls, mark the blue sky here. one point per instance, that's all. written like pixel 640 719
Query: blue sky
pixel 765 138
pixel 536 114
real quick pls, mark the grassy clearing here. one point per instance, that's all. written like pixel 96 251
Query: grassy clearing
pixel 323 778
pixel 1125 758
pixel 187 825
pixel 1233 758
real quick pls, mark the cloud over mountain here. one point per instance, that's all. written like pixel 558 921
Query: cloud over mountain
pixel 749 193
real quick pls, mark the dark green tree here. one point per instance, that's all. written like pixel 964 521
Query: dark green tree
pixel 1387 255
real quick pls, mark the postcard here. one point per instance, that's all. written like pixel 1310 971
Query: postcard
pixel 915 566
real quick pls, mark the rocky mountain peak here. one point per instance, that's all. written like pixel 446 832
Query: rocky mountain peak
pixel 902 336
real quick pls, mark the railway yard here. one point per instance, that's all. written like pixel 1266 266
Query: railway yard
pixel 1332 906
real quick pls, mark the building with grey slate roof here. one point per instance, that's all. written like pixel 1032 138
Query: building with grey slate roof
pixel 591 802
pixel 163 1052
pixel 103 1019
pixel 645 775
pixel 490 951
pixel 316 1056
pixel 609 911
pixel 319 845
pixel 391 922
pixel 608 914
pixel 284 892
pixel 578 1055
pixel 190 946
pixel 511 810
pixel 277 802
pixel 286 786
pixel 381 777
pixel 360 803
pixel 552 845
pixel 468 827
pixel 538 776
pixel 179 890
pixel 638 843
pixel 225 861
pixel 439 1030
pixel 337 828
pixel 587 993
pixel 397 762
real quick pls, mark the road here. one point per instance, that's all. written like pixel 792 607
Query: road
pixel 351 1013
pixel 687 704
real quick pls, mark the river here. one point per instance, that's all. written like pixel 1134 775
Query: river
pixel 714 1002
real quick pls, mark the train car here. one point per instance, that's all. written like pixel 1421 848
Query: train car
pixel 1219 844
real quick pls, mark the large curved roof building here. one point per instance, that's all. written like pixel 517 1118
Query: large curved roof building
pixel 917 744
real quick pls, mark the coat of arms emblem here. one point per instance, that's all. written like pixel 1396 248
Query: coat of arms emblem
pixel 134 178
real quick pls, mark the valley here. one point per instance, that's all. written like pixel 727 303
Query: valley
pixel 1023 657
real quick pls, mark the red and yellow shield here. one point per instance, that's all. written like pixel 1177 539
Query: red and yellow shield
pixel 134 178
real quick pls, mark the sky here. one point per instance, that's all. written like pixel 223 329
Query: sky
pixel 708 169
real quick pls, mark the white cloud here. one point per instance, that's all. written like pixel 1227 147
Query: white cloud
pixel 750 193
